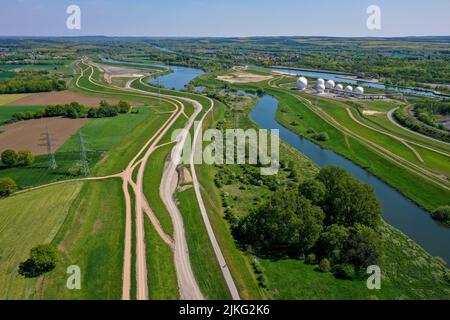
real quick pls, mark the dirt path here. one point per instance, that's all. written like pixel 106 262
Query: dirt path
pixel 224 267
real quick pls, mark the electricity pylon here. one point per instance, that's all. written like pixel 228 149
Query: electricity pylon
pixel 83 158
pixel 51 156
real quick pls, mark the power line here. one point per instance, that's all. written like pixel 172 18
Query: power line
pixel 83 158
pixel 51 156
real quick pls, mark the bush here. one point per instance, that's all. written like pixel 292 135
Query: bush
pixel 124 107
pixel 323 136
pixel 43 259
pixel 325 265
pixel 25 158
pixel 311 259
pixel 76 170
pixel 442 214
pixel 344 271
pixel 7 187
pixel 9 158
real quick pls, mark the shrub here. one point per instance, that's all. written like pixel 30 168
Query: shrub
pixel 311 259
pixel 322 136
pixel 442 214
pixel 7 187
pixel 9 158
pixel 25 158
pixel 344 271
pixel 76 170
pixel 43 259
pixel 325 265
pixel 124 107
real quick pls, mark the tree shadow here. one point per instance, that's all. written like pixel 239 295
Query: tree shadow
pixel 28 269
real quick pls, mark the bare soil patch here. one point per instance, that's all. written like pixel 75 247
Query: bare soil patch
pixel 372 112
pixel 243 77
pixel 62 97
pixel 31 134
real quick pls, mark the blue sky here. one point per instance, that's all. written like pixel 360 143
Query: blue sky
pixel 225 17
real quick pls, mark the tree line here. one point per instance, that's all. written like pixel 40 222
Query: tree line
pixel 330 220
pixel 74 110
pixel 402 116
pixel 31 86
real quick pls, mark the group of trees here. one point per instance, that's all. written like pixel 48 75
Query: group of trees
pixel 30 86
pixel 330 220
pixel 427 110
pixel 11 158
pixel 74 110
pixel 401 115
pixel 7 187
pixel 43 258
pixel 442 214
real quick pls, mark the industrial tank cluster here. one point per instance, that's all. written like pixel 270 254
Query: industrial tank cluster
pixel 330 85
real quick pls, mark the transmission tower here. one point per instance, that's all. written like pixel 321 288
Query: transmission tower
pixel 83 158
pixel 51 156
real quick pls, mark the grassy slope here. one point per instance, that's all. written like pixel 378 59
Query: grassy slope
pixel 27 220
pixel 92 237
pixel 203 259
pixel 162 277
pixel 426 193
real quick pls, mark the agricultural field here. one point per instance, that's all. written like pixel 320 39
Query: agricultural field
pixel 6 99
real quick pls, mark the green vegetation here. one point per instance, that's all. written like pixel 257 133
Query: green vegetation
pixel 23 158
pixel 27 220
pixel 442 214
pixel 43 259
pixel 7 187
pixel 162 277
pixel 92 237
pixel 203 259
pixel 402 116
pixel 339 226
pixel 30 86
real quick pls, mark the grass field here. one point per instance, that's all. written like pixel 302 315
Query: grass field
pixel 408 273
pixel 203 259
pixel 92 237
pixel 27 220
pixel 161 274
pixel 8 98
pixel 7 112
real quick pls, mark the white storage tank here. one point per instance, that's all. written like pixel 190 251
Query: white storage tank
pixel 330 84
pixel 320 88
pixel 302 83
pixel 339 87
pixel 349 89
pixel 320 81
pixel 359 90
